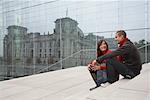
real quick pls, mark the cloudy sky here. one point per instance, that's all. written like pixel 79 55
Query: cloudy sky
pixel 92 15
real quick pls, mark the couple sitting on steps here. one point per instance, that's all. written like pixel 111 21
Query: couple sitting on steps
pixel 125 60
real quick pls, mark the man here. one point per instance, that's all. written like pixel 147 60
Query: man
pixel 129 64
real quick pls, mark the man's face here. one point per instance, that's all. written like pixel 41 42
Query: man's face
pixel 119 38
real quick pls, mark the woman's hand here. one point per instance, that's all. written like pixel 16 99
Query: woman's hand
pixel 95 68
pixel 94 62
pixel 90 66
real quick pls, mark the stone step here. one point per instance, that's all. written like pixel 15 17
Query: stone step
pixel 73 84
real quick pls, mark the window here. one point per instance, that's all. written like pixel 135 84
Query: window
pixel 32 53
pixel 59 54
pixel 40 50
pixel 41 44
pixel 50 51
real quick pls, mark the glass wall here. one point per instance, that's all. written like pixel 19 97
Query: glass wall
pixel 45 35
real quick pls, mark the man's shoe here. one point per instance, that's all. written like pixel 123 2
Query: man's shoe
pixel 128 77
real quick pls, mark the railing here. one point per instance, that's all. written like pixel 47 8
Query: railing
pixel 64 59
pixel 145 53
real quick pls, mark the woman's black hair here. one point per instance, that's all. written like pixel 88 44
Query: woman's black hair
pixel 99 52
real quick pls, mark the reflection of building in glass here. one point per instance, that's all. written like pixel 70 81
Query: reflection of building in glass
pixel 13 44
pixel 25 48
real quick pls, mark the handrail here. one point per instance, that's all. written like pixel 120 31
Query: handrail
pixel 143 46
pixel 63 59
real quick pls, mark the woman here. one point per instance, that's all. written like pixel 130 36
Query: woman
pixel 98 71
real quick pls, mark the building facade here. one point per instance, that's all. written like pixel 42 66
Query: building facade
pixel 66 46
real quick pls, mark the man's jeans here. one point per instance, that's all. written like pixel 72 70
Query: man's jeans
pixel 114 68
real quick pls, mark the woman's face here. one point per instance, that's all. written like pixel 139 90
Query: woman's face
pixel 103 46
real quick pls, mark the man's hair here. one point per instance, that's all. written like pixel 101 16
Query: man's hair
pixel 121 32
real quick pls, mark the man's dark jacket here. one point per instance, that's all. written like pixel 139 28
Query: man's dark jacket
pixel 130 55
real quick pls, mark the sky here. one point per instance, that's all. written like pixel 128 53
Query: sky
pixel 99 16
